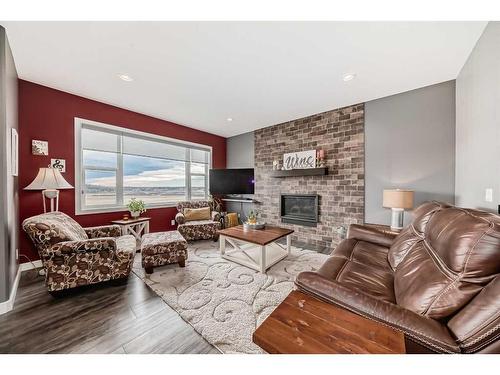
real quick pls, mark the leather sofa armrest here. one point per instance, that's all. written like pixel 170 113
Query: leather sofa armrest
pixel 425 331
pixel 371 233
pixel 477 325
pixel 180 218
pixel 92 245
pixel 103 231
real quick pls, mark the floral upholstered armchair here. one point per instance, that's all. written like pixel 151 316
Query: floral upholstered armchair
pixel 193 230
pixel 74 256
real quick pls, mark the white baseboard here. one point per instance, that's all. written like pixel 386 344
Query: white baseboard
pixel 30 265
pixel 9 304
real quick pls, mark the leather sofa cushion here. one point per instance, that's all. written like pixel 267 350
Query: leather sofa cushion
pixel 421 285
pixel 361 265
pixel 402 245
pixel 193 214
pixel 427 332
pixel 443 270
pixel 413 232
pixel 467 241
pixel 423 213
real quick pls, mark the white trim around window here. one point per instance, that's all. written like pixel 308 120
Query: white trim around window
pixel 81 209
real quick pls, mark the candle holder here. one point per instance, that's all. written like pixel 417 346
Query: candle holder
pixel 320 158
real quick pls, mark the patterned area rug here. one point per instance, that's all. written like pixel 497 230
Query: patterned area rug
pixel 222 300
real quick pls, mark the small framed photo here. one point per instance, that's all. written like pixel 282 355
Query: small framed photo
pixel 39 147
pixel 58 164
pixel 14 152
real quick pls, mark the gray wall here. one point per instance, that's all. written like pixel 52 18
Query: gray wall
pixel 8 188
pixel 240 151
pixel 410 143
pixel 478 123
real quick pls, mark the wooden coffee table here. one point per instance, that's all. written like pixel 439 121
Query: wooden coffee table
pixel 302 324
pixel 255 248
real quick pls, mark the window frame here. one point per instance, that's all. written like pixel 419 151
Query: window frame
pixel 80 123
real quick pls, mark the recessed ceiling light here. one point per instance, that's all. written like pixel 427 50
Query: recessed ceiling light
pixel 229 119
pixel 125 77
pixel 348 77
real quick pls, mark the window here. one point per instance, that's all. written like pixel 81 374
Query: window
pixel 114 165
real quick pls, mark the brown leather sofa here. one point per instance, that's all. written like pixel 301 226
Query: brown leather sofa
pixel 438 281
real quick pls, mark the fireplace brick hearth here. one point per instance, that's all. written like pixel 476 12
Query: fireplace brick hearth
pixel 341 193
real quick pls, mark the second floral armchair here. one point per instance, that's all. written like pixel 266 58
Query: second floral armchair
pixel 193 230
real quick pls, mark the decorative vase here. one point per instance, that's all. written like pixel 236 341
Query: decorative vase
pixel 135 214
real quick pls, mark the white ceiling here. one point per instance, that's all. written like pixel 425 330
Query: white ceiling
pixel 200 73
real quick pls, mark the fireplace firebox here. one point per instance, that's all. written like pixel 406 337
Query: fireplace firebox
pixel 301 209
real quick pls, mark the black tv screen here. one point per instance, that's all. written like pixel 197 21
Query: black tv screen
pixel 231 181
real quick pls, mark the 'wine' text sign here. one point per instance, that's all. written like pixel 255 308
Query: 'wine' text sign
pixel 299 160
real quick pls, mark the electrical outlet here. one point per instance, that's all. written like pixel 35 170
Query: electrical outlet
pixel 488 195
pixel 172 222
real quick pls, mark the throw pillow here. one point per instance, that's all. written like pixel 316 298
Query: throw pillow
pixel 192 214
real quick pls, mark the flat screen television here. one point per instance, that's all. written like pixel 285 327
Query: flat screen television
pixel 231 181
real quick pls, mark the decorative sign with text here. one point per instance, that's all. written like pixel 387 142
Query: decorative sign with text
pixel 299 160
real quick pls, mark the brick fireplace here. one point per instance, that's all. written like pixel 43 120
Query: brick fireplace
pixel 340 193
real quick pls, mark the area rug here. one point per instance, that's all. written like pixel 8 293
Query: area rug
pixel 222 300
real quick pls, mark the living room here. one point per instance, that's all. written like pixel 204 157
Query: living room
pixel 250 187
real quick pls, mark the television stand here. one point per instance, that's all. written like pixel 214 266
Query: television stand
pixel 242 201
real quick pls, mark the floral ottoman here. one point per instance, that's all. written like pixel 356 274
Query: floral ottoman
pixel 158 249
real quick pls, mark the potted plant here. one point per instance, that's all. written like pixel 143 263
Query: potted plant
pixel 252 217
pixel 136 207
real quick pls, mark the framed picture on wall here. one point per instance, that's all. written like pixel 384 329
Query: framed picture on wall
pixel 58 164
pixel 14 152
pixel 39 147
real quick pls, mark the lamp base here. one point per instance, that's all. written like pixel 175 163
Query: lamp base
pixel 53 196
pixel 397 218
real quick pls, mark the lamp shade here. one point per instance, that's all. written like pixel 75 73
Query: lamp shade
pixel 398 198
pixel 48 178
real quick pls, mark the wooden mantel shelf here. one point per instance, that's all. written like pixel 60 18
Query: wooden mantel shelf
pixel 300 172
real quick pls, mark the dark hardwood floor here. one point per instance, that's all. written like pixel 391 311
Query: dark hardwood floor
pixel 104 318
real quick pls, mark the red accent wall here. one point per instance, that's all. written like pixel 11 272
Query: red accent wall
pixel 47 114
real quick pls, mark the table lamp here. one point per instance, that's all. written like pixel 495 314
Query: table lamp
pixel 397 200
pixel 49 180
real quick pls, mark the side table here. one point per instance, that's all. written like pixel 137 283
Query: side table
pixel 136 227
pixel 302 324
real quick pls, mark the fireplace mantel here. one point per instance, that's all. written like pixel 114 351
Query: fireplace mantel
pixel 300 172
